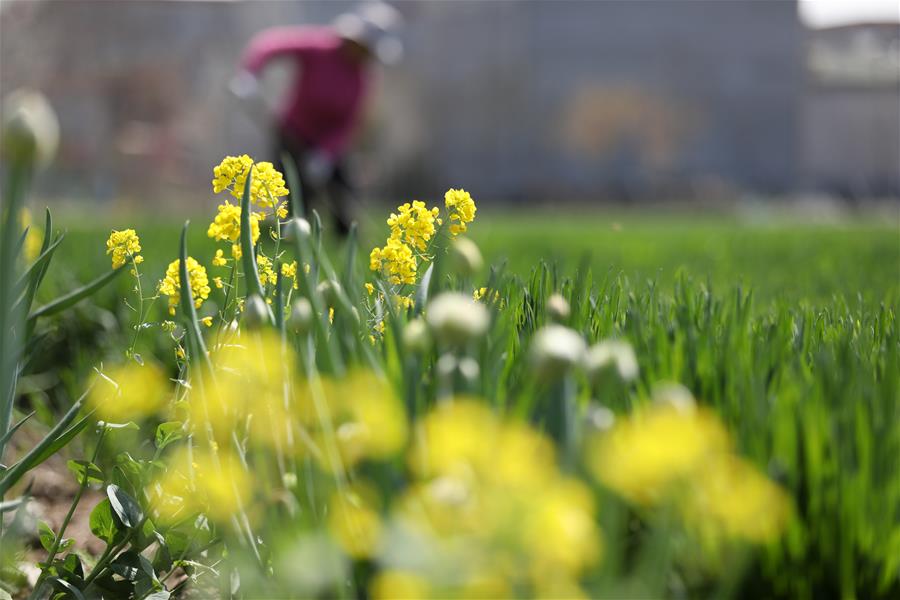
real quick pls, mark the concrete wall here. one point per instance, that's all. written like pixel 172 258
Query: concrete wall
pixel 511 99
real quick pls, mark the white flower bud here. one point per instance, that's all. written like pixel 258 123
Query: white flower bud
pixel 599 418
pixel 416 337
pixel 329 290
pixel 558 308
pixel 611 354
pixel 676 396
pixel 455 318
pixel 296 228
pixel 466 256
pixel 255 312
pixel 301 316
pixel 30 128
pixel 556 349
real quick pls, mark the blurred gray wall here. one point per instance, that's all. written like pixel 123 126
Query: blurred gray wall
pixel 513 100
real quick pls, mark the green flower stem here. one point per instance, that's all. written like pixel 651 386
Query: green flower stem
pixel 65 523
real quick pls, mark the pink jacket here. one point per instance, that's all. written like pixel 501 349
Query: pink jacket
pixel 324 106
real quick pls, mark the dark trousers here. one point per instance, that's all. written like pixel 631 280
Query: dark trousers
pixel 332 197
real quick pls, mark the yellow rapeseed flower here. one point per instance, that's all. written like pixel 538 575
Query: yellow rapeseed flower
pixel 266 272
pixel 171 284
pixel 731 499
pixel 219 259
pixel 461 208
pixel 414 224
pixel 32 246
pixel 124 245
pixel 198 482
pixel 489 498
pixel 354 522
pixel 267 185
pixel 129 392
pixel 395 261
pixel 227 227
pixel 370 289
pixel 644 455
pixel 290 270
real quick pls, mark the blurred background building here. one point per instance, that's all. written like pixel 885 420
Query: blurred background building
pixel 528 100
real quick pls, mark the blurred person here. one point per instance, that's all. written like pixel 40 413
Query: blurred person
pixel 326 98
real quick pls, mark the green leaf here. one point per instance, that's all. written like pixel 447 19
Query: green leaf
pixel 102 522
pixel 129 426
pixel 169 432
pixel 46 534
pixel 192 325
pixel 85 471
pixel 248 256
pixel 125 507
pixel 71 564
pixel 71 589
pixel 47 447
pixel 6 437
pixel 75 296
pixel 132 566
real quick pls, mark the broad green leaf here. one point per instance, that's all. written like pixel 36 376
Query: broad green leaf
pixel 102 522
pixel 85 471
pixel 46 534
pixel 169 432
pixel 125 507
pixel 72 564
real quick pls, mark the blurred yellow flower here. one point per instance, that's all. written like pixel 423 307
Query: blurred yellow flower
pixel 370 289
pixel 129 392
pixel 198 481
pixel 33 240
pixel 124 246
pixel 489 499
pixel 368 419
pixel 354 521
pixel 267 184
pixel 396 584
pixel 730 498
pixel 644 455
pixel 461 208
pixel 249 386
pixel 171 284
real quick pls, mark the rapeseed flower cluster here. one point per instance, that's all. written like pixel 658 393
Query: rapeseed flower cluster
pixel 677 452
pixel 461 209
pixel 124 246
pixel 267 185
pixel 491 506
pixel 412 227
pixel 226 227
pixel 171 284
pixel 266 272
pixel 414 224
pixel 395 261
pixel 245 392
pixel 368 419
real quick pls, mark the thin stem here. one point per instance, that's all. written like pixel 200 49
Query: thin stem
pixel 65 524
